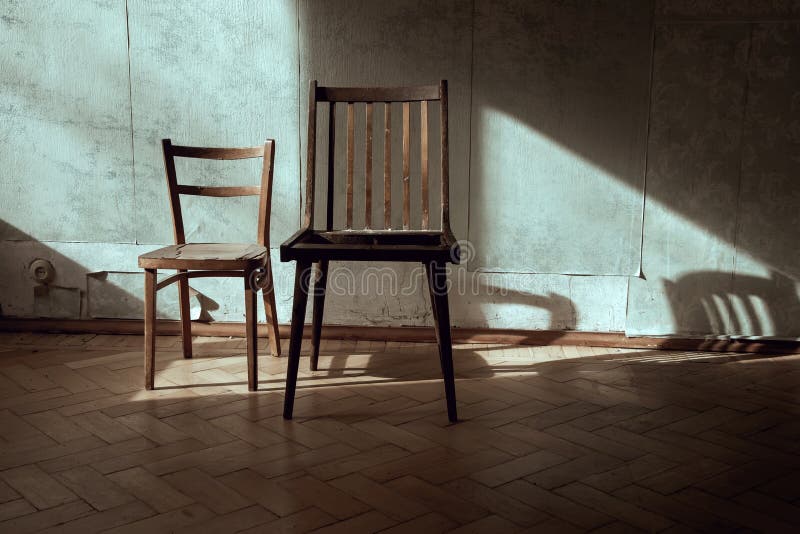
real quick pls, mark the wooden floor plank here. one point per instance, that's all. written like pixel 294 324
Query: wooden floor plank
pixel 148 488
pixel 325 497
pixel 37 487
pixel 99 491
pixel 206 490
pixel 102 521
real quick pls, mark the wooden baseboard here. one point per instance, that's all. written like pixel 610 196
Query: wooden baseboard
pixel 416 334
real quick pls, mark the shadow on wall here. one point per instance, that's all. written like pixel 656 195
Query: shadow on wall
pixel 708 302
pixel 79 280
pixel 722 131
pixel 562 311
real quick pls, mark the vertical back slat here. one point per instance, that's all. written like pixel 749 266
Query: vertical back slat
pixel 350 155
pixel 445 148
pixel 406 165
pixel 368 169
pixel 387 165
pixel 331 152
pixel 423 122
pixel 351 97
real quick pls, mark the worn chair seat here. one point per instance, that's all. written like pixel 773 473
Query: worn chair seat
pixel 373 245
pixel 234 256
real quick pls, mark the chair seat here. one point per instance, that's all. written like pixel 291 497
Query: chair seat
pixel 375 245
pixel 211 256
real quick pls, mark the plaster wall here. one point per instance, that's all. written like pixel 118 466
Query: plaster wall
pixel 615 165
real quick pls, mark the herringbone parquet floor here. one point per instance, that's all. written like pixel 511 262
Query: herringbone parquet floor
pixel 552 439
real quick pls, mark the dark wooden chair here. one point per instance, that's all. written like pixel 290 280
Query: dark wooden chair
pixel 433 248
pixel 194 260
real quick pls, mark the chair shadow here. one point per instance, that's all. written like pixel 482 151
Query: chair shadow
pixel 716 303
pixel 344 363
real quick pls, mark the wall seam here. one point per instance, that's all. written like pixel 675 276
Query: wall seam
pixel 469 125
pixel 130 107
pixel 641 274
pixel 300 210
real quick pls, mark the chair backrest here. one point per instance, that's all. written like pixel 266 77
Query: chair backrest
pixel 368 97
pixel 263 191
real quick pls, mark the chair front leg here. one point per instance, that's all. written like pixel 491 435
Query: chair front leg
pixel 186 318
pixel 149 327
pixel 437 285
pixel 319 307
pixel 302 278
pixel 251 319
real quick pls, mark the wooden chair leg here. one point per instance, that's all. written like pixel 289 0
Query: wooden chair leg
pixel 271 313
pixel 437 285
pixel 302 277
pixel 319 306
pixel 433 306
pixel 149 327
pixel 186 318
pixel 251 321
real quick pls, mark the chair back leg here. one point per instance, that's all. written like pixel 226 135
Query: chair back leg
pixel 271 314
pixel 302 278
pixel 251 319
pixel 320 285
pixel 149 327
pixel 437 286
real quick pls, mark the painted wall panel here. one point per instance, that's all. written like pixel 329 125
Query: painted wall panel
pixel 537 301
pixel 477 299
pixel 118 295
pixel 214 74
pixel 391 294
pixel 697 109
pixel 71 261
pixel 64 109
pixel 110 284
pixel 559 120
pixel 550 126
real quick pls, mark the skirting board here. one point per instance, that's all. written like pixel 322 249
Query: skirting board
pixel 417 334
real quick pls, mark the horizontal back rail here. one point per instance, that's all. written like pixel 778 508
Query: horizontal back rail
pixel 196 274
pixel 263 191
pixel 377 94
pixel 216 153
pixel 226 191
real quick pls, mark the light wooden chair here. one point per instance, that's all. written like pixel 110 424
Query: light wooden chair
pixel 433 248
pixel 196 260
